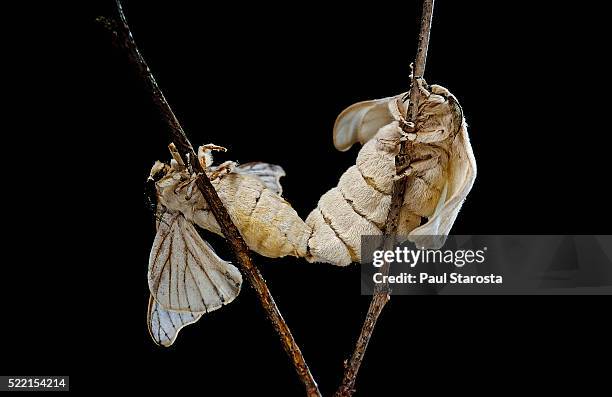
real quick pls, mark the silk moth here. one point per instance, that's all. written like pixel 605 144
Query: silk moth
pixel 440 174
pixel 186 277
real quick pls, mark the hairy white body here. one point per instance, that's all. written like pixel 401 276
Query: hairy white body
pixel 440 173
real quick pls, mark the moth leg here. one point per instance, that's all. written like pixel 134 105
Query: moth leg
pixel 189 191
pixel 205 155
pixel 407 131
pixel 422 86
pixel 417 166
pixel 425 164
pixel 404 172
pixel 181 184
pixel 212 146
pixel 223 169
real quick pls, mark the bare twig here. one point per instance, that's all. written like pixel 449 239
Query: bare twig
pixel 381 292
pixel 124 39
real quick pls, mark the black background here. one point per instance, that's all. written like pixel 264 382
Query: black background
pixel 267 82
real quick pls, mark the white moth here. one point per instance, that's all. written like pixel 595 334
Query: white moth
pixel 441 172
pixel 186 277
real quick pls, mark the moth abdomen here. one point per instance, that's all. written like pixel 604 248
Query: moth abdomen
pixel 274 229
pixel 358 206
pixel 324 244
pixel 363 197
pixel 268 223
pixel 377 167
pixel 345 221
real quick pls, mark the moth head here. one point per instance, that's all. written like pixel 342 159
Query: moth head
pixel 388 137
pixel 158 171
pixel 439 116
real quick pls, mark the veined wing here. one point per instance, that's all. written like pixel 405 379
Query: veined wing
pixel 165 325
pixel 185 274
pixel 269 174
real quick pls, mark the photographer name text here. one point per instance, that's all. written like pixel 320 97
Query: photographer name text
pixel 444 278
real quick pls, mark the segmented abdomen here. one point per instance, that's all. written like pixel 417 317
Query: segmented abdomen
pixel 357 206
pixel 268 223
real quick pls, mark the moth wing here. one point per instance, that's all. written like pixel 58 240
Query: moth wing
pixel 185 274
pixel 164 325
pixel 462 172
pixel 269 174
pixel 360 122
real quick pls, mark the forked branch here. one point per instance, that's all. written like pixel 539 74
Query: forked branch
pixel 381 292
pixel 123 39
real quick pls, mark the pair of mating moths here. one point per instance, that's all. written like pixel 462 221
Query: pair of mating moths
pixel 187 278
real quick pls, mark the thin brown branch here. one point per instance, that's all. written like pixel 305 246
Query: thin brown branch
pixel 124 39
pixel 381 293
